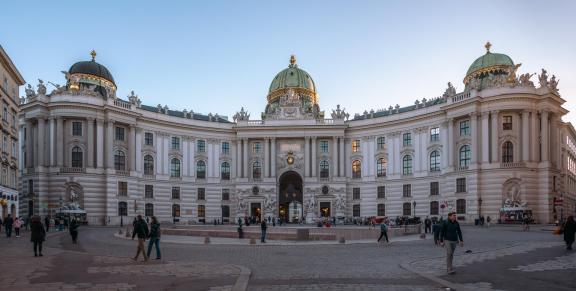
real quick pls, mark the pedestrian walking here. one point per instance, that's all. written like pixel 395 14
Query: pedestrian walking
pixel 436 230
pixel 47 223
pixel 1 223
pixel 154 237
pixel 17 225
pixel 569 229
pixel 8 223
pixel 73 228
pixel 37 235
pixel 451 236
pixel 140 230
pixel 263 227
pixel 488 220
pixel 383 231
pixel 427 225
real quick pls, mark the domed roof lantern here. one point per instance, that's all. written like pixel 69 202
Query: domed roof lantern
pixel 91 72
pixel 489 64
pixel 292 78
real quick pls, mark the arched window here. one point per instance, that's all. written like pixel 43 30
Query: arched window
pixel 148 165
pixel 175 210
pixel 381 167
pixel 122 208
pixel 434 161
pixel 149 209
pixel 256 170
pixel 460 206
pixel 507 152
pixel 464 156
pixel 324 169
pixel 407 165
pixel 77 157
pixel 119 161
pixel 434 208
pixel 175 168
pixel 225 171
pixel 407 209
pixel 201 170
pixel 356 169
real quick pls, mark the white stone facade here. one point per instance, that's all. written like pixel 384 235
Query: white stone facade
pixel 451 150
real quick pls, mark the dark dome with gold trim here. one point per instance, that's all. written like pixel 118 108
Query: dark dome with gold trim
pixel 91 68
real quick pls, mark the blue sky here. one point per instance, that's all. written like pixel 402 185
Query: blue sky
pixel 217 56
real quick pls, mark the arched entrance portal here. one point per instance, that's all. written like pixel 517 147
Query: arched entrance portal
pixel 290 197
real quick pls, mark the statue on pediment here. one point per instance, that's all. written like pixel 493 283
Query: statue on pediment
pixel 543 78
pixel 553 84
pixel 41 87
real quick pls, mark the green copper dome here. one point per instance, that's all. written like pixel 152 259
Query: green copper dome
pixel 489 60
pixel 292 77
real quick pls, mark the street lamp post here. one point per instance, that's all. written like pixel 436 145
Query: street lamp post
pixel 414 204
pixel 479 207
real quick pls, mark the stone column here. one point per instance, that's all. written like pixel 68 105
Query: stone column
pixel 273 157
pixel 396 153
pixel 534 133
pixel 474 140
pixel 390 153
pixel 41 141
pixel 90 142
pixel 417 153
pixel 314 161
pixel 544 137
pixel 192 157
pixel 424 139
pixel 165 156
pixel 132 147
pixel 100 143
pixel 342 166
pixel 494 136
pixel 239 158
pixel 334 163
pixel 525 136
pixel 138 150
pixel 445 148
pixel 266 163
pixel 29 144
pixel 234 160
pixel 159 150
pixel 485 138
pixel 59 142
pixel 245 157
pixel 217 158
pixel 307 156
pixel 450 149
pixel 110 145
pixel 52 142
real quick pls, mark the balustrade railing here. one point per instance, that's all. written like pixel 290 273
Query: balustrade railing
pixel 512 165
pixel 122 103
pixel 72 170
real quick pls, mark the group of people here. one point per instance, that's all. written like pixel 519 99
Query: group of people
pixel 144 232
pixel 15 224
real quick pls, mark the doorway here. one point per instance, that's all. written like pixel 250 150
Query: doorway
pixel 325 209
pixel 290 197
pixel 256 210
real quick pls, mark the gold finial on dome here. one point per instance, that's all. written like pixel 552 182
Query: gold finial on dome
pixel 292 60
pixel 93 54
pixel 488 45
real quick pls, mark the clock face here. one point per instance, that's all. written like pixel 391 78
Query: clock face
pixel 290 160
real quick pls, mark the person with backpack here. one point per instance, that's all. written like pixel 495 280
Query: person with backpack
pixel 140 230
pixel 383 231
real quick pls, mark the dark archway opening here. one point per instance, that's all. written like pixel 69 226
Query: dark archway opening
pixel 290 197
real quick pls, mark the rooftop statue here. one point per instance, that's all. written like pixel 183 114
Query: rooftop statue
pixel 41 87
pixel 30 93
pixel 450 91
pixel 543 78
pixel 553 84
pixel 524 80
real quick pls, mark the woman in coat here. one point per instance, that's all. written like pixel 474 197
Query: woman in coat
pixel 38 235
pixel 17 225
pixel 73 227
pixel 569 231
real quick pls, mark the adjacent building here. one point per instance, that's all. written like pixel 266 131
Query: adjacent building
pixel 10 83
pixel 499 144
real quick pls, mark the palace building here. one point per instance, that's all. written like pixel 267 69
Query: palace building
pixel 498 145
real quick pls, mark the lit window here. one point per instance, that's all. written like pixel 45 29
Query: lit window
pixel 507 122
pixel 356 169
pixel 355 145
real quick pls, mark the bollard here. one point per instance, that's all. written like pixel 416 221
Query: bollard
pixel 207 240
pixel 342 240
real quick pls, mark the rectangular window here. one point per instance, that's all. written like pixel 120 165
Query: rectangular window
pixel 381 141
pixel 407 139
pixel 14 148
pixel 30 186
pixel 407 190
pixel 356 193
pixel 201 193
pixel 507 122
pixel 356 210
pixel 434 208
pixel 148 191
pixel 14 114
pixel 149 209
pixel 225 211
pixel 381 192
pixel 5 113
pixel 201 146
pixel 434 188
pixel 225 148
pixel 407 209
pixel 175 143
pixel 120 133
pixel 5 143
pixel 148 139
pixel 355 145
pixel 460 185
pixel 201 211
pixel 381 209
pixel 77 128
pixel 256 148
pixel 324 146
pixel 465 127
pixel 175 192
pixel 225 194
pixel 435 134
pixel 122 189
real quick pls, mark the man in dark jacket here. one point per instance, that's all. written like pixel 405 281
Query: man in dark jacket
pixel 427 225
pixel 154 236
pixel 47 223
pixel 263 227
pixel 451 235
pixel 8 222
pixel 140 230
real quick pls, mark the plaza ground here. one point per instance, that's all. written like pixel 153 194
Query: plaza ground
pixel 501 258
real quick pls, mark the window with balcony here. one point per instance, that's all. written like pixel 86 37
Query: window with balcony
pixel 77 128
pixel 407 139
pixel 256 170
pixel 201 170
pixel 407 165
pixel 148 139
pixel 77 157
pixel 507 152
pixel 465 156
pixel 381 167
pixel 507 122
pixel 225 171
pixel 148 165
pixel 175 168
pixel 407 190
pixel 119 161
pixel 434 161
pixel 435 134
pixel 465 128
pixel 356 169
pixel 355 145
pixel 324 169
pixel 461 185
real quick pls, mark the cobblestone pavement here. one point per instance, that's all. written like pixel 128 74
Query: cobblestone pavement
pixel 498 257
